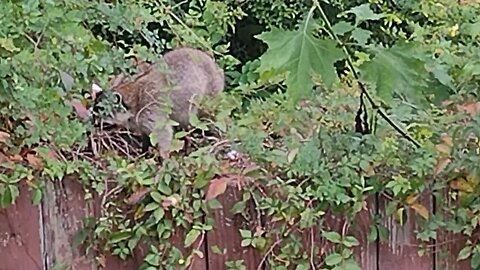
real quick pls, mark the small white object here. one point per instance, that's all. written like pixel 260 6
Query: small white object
pixel 96 89
pixel 232 154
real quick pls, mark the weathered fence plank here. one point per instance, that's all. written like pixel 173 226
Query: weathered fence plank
pixel 23 236
pixel 20 234
pixel 197 262
pixel 449 245
pixel 401 250
pixel 226 236
pixel 446 252
pixel 64 209
pixel 365 253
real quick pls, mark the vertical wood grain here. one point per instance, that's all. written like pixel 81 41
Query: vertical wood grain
pixel 365 253
pixel 401 250
pixel 226 236
pixel 64 209
pixel 19 234
pixel 449 244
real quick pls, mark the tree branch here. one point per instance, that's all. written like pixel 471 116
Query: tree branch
pixel 360 84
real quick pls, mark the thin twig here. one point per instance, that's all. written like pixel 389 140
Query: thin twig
pixel 270 250
pixel 357 79
pixel 200 243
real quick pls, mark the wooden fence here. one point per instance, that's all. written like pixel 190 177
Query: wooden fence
pixel 39 237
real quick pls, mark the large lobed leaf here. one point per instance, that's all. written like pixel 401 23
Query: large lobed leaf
pixel 396 70
pixel 300 55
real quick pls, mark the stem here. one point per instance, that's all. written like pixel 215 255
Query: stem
pixel 357 79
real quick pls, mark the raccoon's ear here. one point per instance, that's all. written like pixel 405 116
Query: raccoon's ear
pixel 95 90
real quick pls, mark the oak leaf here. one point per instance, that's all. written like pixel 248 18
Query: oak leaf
pixel 299 54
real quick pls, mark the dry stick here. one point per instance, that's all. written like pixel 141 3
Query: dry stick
pixel 270 250
pixel 360 84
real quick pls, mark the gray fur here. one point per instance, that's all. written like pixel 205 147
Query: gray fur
pixel 190 75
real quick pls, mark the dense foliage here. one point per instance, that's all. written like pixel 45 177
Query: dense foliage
pixel 297 73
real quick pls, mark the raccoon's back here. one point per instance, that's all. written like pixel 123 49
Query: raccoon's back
pixel 192 67
pixel 188 74
pixel 194 74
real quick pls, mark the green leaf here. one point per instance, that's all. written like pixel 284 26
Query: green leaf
pixel 37 196
pixel 333 237
pixel 302 267
pixel 471 29
pixel 67 80
pixel 238 207
pixel 361 36
pixel 333 259
pixel 118 237
pixel 383 233
pixel 245 233
pixel 373 234
pixel 246 242
pixel 216 250
pixel 14 192
pixel 153 259
pixel 441 74
pixel 165 189
pixel 151 206
pixel 342 27
pixel 464 253
pixel 350 265
pixel 191 237
pixel 300 55
pixel 158 214
pixel 6 197
pixel 214 204
pixel 364 13
pixel 475 261
pixel 79 237
pixel 350 241
pixel 156 196
pixel 395 70
pixel 8 45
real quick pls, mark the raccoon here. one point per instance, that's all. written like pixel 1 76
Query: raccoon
pixel 168 90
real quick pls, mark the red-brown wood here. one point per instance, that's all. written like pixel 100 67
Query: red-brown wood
pixel 449 245
pixel 19 234
pixel 23 236
pixel 178 241
pixel 446 252
pixel 366 253
pixel 226 236
pixel 64 209
pixel 401 250
pixel 113 262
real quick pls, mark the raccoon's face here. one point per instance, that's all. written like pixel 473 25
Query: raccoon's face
pixel 109 107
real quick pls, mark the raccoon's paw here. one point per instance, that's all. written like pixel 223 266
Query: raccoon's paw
pixel 162 138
